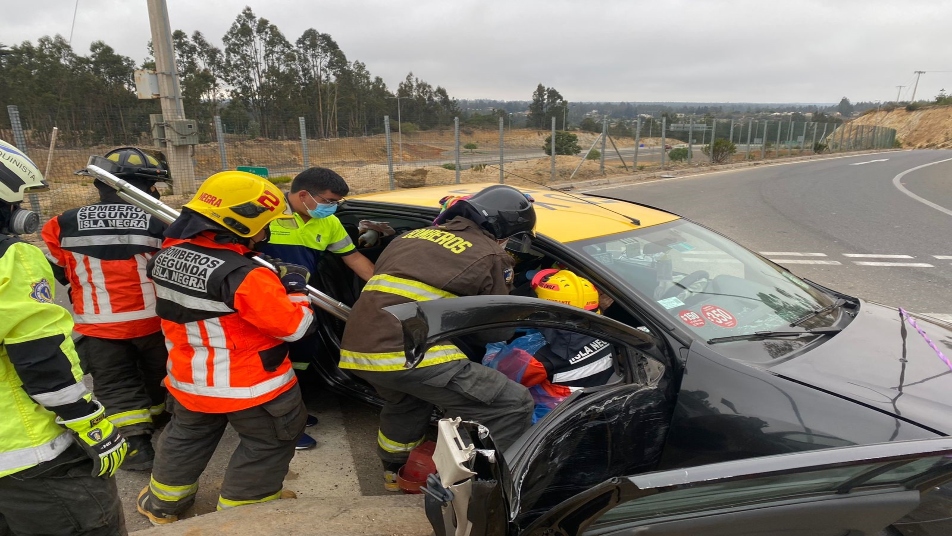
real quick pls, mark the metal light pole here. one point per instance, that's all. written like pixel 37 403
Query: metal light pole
pixel 399 131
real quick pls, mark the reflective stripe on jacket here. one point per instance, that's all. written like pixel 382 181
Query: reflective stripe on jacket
pixel 455 259
pixel 224 318
pixel 103 249
pixel 39 368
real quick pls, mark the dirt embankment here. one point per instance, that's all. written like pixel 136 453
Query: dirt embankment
pixel 927 128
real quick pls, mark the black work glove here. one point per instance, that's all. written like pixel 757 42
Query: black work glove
pixel 293 277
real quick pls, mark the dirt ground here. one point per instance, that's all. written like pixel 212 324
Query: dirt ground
pixel 927 128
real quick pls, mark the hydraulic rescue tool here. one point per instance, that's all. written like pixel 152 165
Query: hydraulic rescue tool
pixel 168 214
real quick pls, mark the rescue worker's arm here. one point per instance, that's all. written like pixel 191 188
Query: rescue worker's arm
pixel 360 265
pixel 56 256
pixel 491 274
pixel 261 300
pixel 341 244
pixel 36 334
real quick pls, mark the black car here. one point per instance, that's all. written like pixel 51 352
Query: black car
pixel 721 355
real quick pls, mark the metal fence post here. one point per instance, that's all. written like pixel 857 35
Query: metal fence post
pixel 502 160
pixel 822 137
pixel 19 139
pixel 849 137
pixel 803 138
pixel 220 134
pixel 691 141
pixel 456 131
pixel 634 166
pixel 601 163
pixel 813 143
pixel 663 120
pixel 779 131
pixel 552 150
pixel 386 129
pixel 304 156
pixel 730 136
pixel 763 141
pixel 713 137
pixel 790 138
pixel 750 125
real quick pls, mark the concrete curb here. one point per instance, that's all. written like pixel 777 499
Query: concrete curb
pixel 388 515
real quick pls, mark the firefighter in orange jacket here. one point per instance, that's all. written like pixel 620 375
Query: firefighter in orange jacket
pixel 227 322
pixel 99 252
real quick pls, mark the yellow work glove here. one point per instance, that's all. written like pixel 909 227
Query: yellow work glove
pixel 100 439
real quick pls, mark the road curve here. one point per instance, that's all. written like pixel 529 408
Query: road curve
pixel 868 237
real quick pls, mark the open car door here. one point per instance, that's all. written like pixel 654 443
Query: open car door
pixel 854 491
pixel 596 433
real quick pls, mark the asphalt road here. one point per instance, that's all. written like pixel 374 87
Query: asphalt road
pixel 841 222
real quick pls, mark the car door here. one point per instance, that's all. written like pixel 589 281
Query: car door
pixel 840 491
pixel 595 434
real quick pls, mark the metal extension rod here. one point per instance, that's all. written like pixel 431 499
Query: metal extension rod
pixel 168 214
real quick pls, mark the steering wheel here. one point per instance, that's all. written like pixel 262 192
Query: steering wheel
pixel 686 283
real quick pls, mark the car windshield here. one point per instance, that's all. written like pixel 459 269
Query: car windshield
pixel 712 286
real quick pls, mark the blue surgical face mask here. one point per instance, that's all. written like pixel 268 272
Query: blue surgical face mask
pixel 321 210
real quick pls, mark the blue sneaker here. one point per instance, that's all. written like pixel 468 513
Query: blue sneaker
pixel 311 421
pixel 306 442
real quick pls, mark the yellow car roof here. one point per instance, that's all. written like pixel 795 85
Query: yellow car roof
pixel 562 216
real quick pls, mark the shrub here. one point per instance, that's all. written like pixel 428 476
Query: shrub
pixel 913 106
pixel 282 179
pixel 451 167
pixel 471 147
pixel 820 147
pixel 408 128
pixel 566 143
pixel 720 151
pixel 595 154
pixel 678 155
pixel 479 167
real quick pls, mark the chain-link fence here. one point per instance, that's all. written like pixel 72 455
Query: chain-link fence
pixel 404 156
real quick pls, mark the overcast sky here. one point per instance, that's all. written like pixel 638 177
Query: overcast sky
pixel 808 51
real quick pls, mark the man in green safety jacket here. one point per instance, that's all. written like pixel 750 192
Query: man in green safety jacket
pixel 463 255
pixel 58 452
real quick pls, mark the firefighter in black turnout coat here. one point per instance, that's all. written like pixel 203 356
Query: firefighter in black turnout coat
pixel 462 255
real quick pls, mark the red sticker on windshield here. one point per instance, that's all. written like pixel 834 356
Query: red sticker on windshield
pixel 718 316
pixel 691 318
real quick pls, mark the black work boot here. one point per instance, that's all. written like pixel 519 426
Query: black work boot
pixel 140 455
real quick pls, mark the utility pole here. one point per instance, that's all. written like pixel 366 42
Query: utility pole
pixel 915 87
pixel 170 96
pixel 898 93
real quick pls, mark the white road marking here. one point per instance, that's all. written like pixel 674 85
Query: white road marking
pixel 896 182
pixel 697 252
pixel 904 264
pixel 804 261
pixel 877 256
pixel 870 162
pixel 943 257
pixel 790 254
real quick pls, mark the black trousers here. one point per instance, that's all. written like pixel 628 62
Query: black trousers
pixel 127 378
pixel 267 436
pixel 60 497
pixel 459 388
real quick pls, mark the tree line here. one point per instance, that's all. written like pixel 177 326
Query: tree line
pixel 258 81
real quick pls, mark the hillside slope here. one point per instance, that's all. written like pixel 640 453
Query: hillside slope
pixel 928 128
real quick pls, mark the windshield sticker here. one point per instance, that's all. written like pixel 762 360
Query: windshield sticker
pixel 719 317
pixel 691 318
pixel 670 303
pixel 682 246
